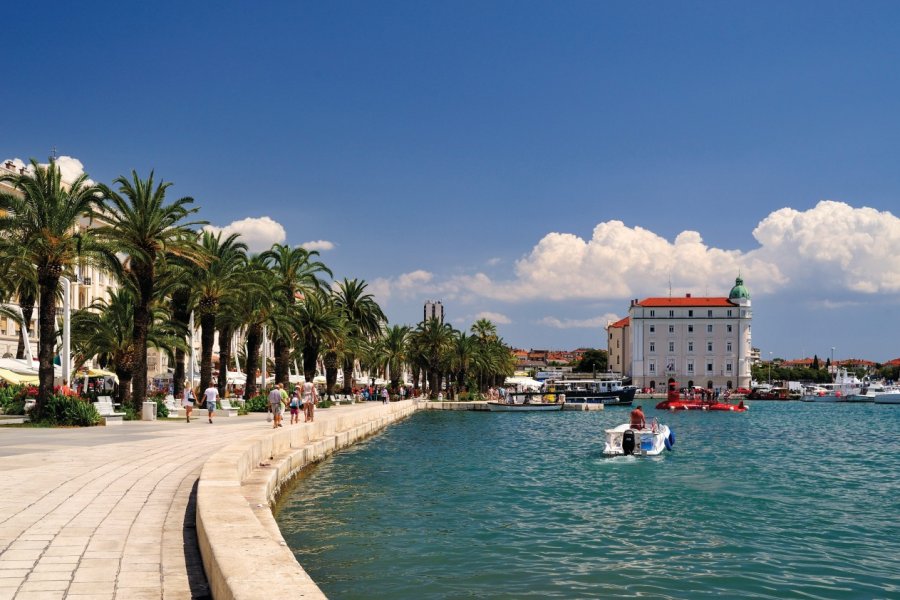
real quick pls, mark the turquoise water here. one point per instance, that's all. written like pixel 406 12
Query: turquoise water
pixel 789 500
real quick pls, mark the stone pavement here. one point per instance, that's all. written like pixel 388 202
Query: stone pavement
pixel 107 512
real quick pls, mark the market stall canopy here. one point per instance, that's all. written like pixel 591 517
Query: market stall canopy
pixel 102 373
pixel 527 383
pixel 17 378
pixel 18 366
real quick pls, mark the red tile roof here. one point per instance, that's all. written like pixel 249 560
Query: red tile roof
pixel 622 323
pixel 654 302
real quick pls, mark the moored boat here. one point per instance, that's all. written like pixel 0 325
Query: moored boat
pixel 494 406
pixel 609 392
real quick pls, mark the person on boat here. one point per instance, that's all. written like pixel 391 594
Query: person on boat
pixel 637 418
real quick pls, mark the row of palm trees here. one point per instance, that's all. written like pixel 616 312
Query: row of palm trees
pixel 167 271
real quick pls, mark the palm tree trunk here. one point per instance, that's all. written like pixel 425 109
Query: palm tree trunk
pixel 26 303
pixel 254 341
pixel 181 315
pixel 282 360
pixel 142 317
pixel 47 332
pixel 348 374
pixel 310 357
pixel 207 336
pixel 225 334
pixel 123 393
pixel 331 369
pixel 434 382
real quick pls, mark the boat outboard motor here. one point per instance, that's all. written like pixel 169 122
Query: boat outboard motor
pixel 628 442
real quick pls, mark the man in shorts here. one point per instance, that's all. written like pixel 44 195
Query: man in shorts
pixel 211 394
pixel 276 405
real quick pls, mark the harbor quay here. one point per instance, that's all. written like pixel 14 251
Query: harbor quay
pixel 162 509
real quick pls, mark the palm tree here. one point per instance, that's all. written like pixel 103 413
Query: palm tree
pixel 364 320
pixel 463 354
pixel 255 309
pixel 106 329
pixel 391 352
pixel 319 324
pixel 297 274
pixel 433 339
pixel 215 282
pixel 43 234
pixel 138 223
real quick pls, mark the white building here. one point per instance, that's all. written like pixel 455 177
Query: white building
pixel 695 341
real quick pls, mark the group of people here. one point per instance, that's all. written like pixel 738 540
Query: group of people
pixel 304 398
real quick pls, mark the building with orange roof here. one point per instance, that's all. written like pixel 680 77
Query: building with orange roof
pixel 696 341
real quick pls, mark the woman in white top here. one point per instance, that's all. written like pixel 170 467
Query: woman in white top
pixel 187 400
pixel 309 401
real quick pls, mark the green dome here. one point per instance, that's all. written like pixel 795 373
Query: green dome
pixel 739 291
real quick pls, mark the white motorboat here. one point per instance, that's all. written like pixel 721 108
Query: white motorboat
pixel 844 385
pixel 892 397
pixel 524 407
pixel 624 440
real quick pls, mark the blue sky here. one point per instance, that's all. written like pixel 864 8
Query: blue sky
pixel 540 163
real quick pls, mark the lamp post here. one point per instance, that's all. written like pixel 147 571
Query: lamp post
pixel 833 370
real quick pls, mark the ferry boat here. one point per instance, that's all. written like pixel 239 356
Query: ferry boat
pixel 610 392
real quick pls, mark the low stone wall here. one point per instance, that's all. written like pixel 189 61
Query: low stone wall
pixel 244 553
pixel 434 405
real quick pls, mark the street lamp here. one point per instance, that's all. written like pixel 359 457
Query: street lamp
pixel 833 371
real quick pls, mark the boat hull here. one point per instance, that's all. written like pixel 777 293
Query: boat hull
pixel 623 397
pixel 888 398
pixel 529 407
pixel 648 442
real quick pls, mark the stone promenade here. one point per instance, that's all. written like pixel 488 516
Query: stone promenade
pixel 108 512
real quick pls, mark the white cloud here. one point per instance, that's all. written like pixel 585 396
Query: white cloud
pixel 321 245
pixel 494 317
pixel 259 233
pixel 592 323
pixel 69 168
pixel 493 262
pixel 413 283
pixel 830 249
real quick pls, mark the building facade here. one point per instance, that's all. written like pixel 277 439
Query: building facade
pixel 433 310
pixel 703 342
pixel 618 347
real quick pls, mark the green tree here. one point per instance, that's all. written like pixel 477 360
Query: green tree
pixel 44 237
pixel 593 361
pixel 434 340
pixel 364 321
pixel 139 223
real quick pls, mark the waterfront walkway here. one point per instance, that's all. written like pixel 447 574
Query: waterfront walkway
pixel 108 512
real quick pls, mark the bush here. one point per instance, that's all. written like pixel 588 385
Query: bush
pixel 257 404
pixel 463 397
pixel 66 411
pixel 325 403
pixel 130 413
pixel 162 411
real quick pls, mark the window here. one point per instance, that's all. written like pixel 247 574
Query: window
pixel 671 346
pixel 653 367
pixel 728 328
pixel 690 346
pixel 690 367
pixel 709 367
pixel 729 312
pixel 671 313
pixel 709 313
pixel 617 343
pixel 652 313
pixel 690 313
pixel 652 346
pixel 653 329
pixel 690 329
pixel 709 329
pixel 610 336
pixel 728 367
pixel 671 329
pixel 709 346
pixel 728 347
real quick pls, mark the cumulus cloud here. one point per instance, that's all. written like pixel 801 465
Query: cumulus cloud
pixel 832 248
pixel 259 233
pixel 416 282
pixel 70 168
pixel 320 245
pixel 494 317
pixel 592 323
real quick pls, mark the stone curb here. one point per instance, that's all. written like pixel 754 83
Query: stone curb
pixel 244 554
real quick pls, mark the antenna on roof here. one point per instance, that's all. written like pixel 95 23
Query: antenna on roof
pixel 670 285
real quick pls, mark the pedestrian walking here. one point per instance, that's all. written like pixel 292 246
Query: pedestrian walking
pixel 187 400
pixel 310 396
pixel 211 394
pixel 276 405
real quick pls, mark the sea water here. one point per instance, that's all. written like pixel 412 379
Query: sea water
pixel 788 500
